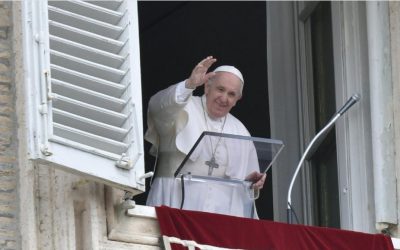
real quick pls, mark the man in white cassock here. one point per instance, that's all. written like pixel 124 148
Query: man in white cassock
pixel 176 119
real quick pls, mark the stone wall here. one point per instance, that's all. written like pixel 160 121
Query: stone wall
pixel 8 135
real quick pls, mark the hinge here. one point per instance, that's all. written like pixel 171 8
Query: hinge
pixel 50 95
pixel 43 109
pixel 124 162
pixel 45 150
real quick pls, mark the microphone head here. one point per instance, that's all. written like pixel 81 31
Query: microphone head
pixel 352 100
pixel 356 97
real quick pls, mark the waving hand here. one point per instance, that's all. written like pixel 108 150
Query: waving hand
pixel 199 74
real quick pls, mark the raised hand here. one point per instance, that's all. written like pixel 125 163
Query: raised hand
pixel 199 74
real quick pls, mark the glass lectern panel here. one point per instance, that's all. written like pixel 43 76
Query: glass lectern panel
pixel 228 156
pixel 217 165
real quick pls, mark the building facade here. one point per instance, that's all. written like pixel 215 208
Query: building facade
pixel 71 135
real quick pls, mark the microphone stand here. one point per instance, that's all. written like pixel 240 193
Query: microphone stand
pixel 355 98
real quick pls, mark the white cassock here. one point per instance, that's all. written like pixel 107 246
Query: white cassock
pixel 175 121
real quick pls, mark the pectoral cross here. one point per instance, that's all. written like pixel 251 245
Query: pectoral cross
pixel 211 165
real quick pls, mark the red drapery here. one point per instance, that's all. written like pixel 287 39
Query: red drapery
pixel 234 232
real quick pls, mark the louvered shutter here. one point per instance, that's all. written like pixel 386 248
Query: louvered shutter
pixel 89 91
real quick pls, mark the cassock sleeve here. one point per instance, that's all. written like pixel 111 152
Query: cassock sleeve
pixel 164 108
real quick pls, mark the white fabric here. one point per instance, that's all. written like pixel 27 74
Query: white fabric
pixel 173 128
pixel 182 93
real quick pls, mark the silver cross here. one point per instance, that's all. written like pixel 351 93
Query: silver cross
pixel 211 165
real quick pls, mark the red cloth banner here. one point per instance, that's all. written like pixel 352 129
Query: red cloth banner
pixel 242 233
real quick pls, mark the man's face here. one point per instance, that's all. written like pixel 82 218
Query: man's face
pixel 222 94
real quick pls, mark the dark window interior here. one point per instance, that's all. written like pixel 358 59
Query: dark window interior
pixel 174 36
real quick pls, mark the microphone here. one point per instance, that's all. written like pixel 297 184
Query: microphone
pixel 311 148
pixel 352 100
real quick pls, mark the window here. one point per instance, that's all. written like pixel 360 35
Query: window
pixel 292 113
pixel 84 90
pixel 319 87
pixel 323 162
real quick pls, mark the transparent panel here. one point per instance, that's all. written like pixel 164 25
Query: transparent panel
pixel 216 168
pixel 229 157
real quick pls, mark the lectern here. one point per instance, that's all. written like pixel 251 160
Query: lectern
pixel 213 174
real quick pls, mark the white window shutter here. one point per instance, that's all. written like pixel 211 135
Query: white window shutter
pixel 86 96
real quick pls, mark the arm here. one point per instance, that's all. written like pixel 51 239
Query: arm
pixel 165 106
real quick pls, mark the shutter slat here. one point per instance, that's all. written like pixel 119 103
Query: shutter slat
pixel 85 52
pixel 88 139
pixel 84 23
pixel 81 65
pixel 89 10
pixel 85 37
pixel 112 5
pixel 88 125
pixel 87 81
pixel 87 96
pixel 89 111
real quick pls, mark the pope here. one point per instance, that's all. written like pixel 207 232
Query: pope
pixel 176 119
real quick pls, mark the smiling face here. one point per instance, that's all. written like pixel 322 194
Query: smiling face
pixel 222 92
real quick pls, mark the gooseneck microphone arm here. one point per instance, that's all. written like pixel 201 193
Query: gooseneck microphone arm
pixel 318 138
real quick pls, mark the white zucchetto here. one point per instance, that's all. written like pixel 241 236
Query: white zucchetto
pixel 230 69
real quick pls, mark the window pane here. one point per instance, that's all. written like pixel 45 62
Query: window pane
pixel 324 161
